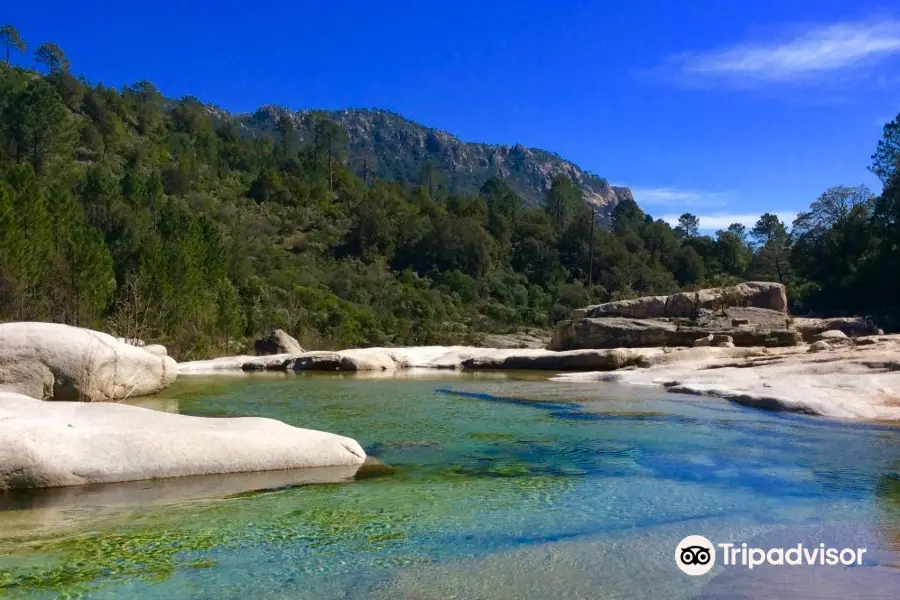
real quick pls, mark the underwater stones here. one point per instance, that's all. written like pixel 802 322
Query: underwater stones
pixel 107 443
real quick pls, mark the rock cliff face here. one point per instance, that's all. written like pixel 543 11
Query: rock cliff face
pixel 685 305
pixel 391 147
pixel 616 332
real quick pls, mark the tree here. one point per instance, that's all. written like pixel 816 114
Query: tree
pixel 772 243
pixel 832 209
pixel 731 250
pixel 37 127
pixel 52 56
pixel 12 40
pixel 738 229
pixel 767 228
pixel 287 134
pixel 688 226
pixel 83 266
pixel 562 198
pixel 330 140
pixel 690 267
pixel 431 179
pixel 887 152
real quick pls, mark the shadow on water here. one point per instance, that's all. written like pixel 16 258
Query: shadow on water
pixel 761 451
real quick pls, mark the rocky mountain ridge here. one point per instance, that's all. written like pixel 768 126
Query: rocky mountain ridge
pixel 396 148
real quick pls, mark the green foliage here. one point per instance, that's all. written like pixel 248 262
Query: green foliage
pixel 165 220
pixel 51 56
pixel 688 226
pixel 887 152
pixel 11 40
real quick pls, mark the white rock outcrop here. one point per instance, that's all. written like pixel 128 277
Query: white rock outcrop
pixel 847 382
pixel 390 360
pixel 52 444
pixel 50 361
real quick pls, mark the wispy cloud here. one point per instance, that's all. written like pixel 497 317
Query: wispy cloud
pixel 670 196
pixel 807 56
pixel 715 221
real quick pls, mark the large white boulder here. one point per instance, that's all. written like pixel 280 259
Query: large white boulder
pixel 50 361
pixel 52 444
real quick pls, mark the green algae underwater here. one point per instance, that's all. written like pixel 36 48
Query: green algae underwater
pixel 479 467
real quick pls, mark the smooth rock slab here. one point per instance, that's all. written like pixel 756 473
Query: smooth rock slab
pixel 51 361
pixel 847 383
pixel 50 444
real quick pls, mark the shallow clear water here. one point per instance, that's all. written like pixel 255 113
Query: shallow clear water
pixel 505 487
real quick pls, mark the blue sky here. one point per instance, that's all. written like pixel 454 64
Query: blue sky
pixel 722 108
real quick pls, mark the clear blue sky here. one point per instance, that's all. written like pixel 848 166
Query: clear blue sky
pixel 725 109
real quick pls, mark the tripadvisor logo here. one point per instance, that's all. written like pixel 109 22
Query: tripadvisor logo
pixel 696 555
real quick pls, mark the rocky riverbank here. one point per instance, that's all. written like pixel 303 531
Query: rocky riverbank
pixel 834 377
pixel 451 358
pixel 61 425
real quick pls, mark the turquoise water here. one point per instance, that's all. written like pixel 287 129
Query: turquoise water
pixel 504 487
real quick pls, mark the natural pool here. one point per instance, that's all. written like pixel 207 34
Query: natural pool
pixel 507 486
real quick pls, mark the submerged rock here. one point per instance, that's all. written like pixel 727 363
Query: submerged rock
pixel 50 444
pixel 50 361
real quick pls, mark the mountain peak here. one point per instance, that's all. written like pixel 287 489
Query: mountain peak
pixel 402 148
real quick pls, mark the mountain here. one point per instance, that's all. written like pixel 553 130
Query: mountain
pixel 401 149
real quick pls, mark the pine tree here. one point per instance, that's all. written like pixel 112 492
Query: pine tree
pixel 12 40
pixel 52 56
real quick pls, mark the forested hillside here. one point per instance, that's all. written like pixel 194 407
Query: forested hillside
pixel 161 220
pixel 385 145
